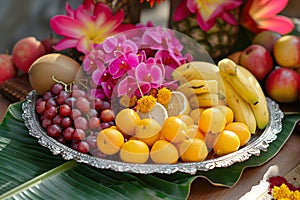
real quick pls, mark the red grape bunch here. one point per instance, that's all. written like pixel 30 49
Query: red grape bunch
pixel 75 117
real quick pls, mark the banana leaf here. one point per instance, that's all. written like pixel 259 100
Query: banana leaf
pixel 30 171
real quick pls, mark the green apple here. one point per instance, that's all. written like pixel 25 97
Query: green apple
pixel 266 39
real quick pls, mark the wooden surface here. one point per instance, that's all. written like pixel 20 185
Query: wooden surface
pixel 286 159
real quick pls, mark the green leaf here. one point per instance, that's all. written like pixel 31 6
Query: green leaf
pixel 30 171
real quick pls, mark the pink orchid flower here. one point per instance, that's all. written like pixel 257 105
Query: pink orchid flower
pixel 207 11
pixel 86 26
pixel 260 15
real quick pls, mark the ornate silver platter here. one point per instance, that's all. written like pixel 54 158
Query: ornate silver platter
pixel 259 142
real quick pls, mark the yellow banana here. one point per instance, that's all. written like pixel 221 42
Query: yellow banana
pixel 260 110
pixel 198 70
pixel 230 72
pixel 204 100
pixel 241 109
pixel 196 86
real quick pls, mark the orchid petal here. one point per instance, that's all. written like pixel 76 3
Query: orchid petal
pixel 65 44
pixel 66 26
pixel 280 24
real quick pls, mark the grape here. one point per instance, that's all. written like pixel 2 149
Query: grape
pixel 74 144
pixel 107 115
pixel 68 133
pixel 53 130
pixel 105 125
pixel 83 147
pixel 75 113
pixel 70 101
pixel 40 106
pixel 57 88
pixel 79 134
pixel 92 141
pixel 76 93
pixel 51 112
pixel 97 103
pixel 65 110
pixel 61 139
pixel 66 122
pixel 81 123
pixel 62 96
pixel 46 122
pixel 50 102
pixel 94 122
pixel 83 104
pixel 47 95
pixel 106 105
pixel 57 120
pixel 93 113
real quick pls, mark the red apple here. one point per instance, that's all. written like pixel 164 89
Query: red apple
pixel 26 51
pixel 266 39
pixel 257 60
pixel 287 51
pixel 283 85
pixel 7 68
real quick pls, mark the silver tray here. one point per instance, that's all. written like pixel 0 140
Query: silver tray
pixel 259 142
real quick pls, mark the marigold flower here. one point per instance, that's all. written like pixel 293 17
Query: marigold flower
pixel 163 96
pixel 146 103
pixel 151 2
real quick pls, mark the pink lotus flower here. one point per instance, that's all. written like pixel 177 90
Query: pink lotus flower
pixel 207 11
pixel 86 26
pixel 260 15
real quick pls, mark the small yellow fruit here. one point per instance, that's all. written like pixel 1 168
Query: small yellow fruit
pixel 194 132
pixel 241 130
pixel 195 114
pixel 109 141
pixel 186 119
pixel 126 121
pixel 212 120
pixel 174 130
pixel 148 131
pixel 193 150
pixel 134 151
pixel 164 152
pixel 227 112
pixel 227 142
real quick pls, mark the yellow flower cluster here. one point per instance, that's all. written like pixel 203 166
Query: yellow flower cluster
pixel 284 193
pixel 164 96
pixel 146 103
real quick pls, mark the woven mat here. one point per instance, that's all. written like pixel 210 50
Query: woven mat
pixel 16 89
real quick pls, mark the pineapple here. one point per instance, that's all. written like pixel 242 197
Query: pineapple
pixel 217 41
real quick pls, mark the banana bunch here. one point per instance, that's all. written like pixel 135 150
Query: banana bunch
pixel 244 95
pixel 205 84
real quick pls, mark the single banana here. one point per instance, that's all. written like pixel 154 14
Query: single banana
pixel 196 86
pixel 260 110
pixel 204 100
pixel 241 109
pixel 230 72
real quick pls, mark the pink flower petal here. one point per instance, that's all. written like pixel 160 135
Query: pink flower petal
pixel 65 44
pixel 84 45
pixel 181 11
pixel 280 24
pixel 66 26
pixel 267 8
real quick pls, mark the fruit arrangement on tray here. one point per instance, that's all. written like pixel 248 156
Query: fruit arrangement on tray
pixel 151 94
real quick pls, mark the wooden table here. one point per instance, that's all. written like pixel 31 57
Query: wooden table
pixel 286 159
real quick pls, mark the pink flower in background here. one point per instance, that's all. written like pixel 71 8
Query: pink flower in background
pixel 86 26
pixel 260 15
pixel 123 64
pixel 207 11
